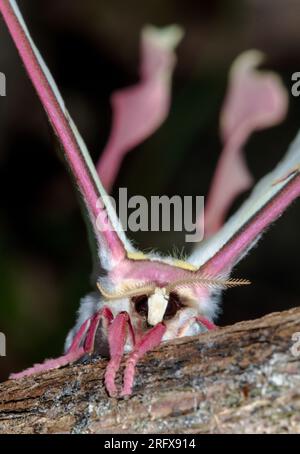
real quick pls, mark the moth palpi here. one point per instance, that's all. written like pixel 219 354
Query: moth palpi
pixel 140 300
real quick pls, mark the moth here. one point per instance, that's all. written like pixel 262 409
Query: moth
pixel 140 300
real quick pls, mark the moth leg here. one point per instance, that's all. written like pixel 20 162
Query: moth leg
pixel 185 327
pixel 50 364
pixel 207 323
pixel 106 315
pixel 117 334
pixel 75 352
pixel 150 340
pixel 79 337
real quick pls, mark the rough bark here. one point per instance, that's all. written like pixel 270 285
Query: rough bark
pixel 241 378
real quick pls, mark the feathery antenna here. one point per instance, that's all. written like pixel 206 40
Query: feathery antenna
pixel 147 289
pixel 207 282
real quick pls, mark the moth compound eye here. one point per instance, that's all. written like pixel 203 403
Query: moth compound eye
pixel 141 304
pixel 174 304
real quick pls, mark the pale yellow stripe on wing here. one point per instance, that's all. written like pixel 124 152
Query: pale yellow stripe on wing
pixel 177 263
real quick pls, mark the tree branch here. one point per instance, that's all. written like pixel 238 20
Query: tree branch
pixel 241 378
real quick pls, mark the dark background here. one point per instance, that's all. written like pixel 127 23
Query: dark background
pixel 92 48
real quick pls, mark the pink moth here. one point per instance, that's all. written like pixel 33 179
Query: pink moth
pixel 145 299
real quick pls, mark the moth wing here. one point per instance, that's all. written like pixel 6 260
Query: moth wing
pixel 268 200
pixel 112 242
pixel 139 110
pixel 255 99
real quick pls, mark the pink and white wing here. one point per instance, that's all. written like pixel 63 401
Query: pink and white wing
pixel 112 241
pixel 268 200
pixel 138 111
pixel 256 99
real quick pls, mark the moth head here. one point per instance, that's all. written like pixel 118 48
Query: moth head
pixel 150 303
pixel 154 303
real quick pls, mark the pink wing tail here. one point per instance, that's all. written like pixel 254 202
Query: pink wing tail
pixel 138 111
pixel 255 100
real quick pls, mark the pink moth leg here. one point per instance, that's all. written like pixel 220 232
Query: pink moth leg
pixel 116 339
pixel 107 317
pixel 207 323
pixel 150 340
pixel 75 351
